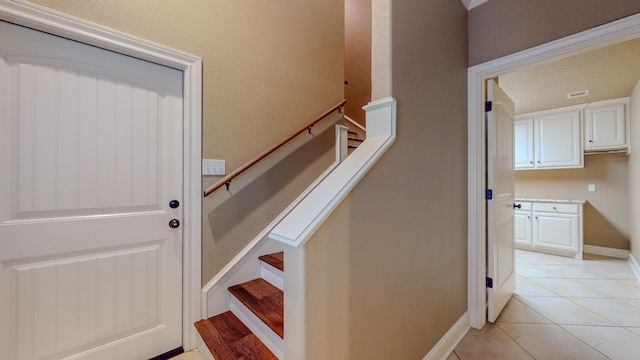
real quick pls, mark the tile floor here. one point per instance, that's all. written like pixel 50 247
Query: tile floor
pixel 563 309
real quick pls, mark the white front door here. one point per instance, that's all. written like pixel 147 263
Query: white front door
pixel 90 157
pixel 501 277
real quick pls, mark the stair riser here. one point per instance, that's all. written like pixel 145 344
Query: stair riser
pixel 274 342
pixel 272 275
pixel 204 349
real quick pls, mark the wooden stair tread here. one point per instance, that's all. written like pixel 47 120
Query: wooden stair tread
pixel 276 260
pixel 228 338
pixel 264 300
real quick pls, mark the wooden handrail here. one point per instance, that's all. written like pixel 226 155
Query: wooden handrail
pixel 227 179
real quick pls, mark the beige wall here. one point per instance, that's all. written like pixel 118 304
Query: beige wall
pixel 634 173
pixel 387 273
pixel 605 213
pixel 501 27
pixel 357 58
pixel 269 67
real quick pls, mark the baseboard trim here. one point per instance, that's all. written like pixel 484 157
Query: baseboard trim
pixel 634 265
pixel 606 251
pixel 450 340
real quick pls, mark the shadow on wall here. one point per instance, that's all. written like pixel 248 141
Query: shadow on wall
pixel 255 205
pixel 600 231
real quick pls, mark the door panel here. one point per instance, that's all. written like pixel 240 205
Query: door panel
pixel 90 156
pixel 500 211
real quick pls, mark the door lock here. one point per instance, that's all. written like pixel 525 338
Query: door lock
pixel 174 223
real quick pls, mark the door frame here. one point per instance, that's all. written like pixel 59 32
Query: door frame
pixel 34 16
pixel 608 34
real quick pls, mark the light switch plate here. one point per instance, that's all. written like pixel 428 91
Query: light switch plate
pixel 213 167
pixel 591 187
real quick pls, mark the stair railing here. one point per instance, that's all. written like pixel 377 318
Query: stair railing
pixel 227 179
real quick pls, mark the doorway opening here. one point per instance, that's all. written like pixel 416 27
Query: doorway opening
pixel 612 33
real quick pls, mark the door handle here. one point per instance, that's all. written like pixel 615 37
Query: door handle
pixel 517 206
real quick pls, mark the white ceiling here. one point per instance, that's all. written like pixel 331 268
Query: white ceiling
pixel 608 73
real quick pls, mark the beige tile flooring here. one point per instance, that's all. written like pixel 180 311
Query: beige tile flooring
pixel 563 309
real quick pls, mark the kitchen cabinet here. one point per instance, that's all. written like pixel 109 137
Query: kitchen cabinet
pixel 549 226
pixel 606 125
pixel 523 140
pixel 556 140
pixel 522 223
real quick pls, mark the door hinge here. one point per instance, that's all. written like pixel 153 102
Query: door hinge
pixel 489 283
pixel 488 106
pixel 489 194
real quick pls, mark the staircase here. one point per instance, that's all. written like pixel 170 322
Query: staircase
pixel 254 326
pixel 354 140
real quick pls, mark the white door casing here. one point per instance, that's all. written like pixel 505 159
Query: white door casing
pixel 500 204
pixel 91 156
pixel 607 34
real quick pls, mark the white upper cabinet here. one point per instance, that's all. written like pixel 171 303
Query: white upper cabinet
pixel 549 139
pixel 606 125
pixel 524 143
pixel 558 140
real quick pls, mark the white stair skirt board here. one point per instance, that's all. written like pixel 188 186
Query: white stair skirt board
pixel 606 251
pixel 270 339
pixel 634 265
pixel 450 340
pixel 272 275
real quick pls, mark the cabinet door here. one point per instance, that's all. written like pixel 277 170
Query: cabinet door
pixel 558 140
pixel 605 127
pixel 522 225
pixel 556 231
pixel 523 140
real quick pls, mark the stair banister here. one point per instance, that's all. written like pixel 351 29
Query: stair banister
pixel 227 179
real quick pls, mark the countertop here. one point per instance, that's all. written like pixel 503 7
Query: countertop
pixel 556 201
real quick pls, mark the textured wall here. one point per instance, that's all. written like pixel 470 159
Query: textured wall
pixel 357 57
pixel 268 68
pixel 502 27
pixel 605 214
pixel 634 174
pixel 387 273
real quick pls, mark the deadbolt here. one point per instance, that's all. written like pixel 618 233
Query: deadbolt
pixel 174 223
pixel 174 204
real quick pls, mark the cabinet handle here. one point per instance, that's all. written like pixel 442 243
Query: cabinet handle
pixel 538 161
pixel 530 162
pixel 517 206
pixel 590 141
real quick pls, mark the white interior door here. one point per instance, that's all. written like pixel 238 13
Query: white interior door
pixel 500 212
pixel 90 156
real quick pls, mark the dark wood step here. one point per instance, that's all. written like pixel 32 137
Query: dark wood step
pixel 228 338
pixel 276 260
pixel 354 139
pixel 264 300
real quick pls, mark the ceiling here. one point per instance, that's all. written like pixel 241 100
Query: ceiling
pixel 608 73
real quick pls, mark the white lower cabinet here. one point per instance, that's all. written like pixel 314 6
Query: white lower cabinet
pixel 522 224
pixel 552 226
